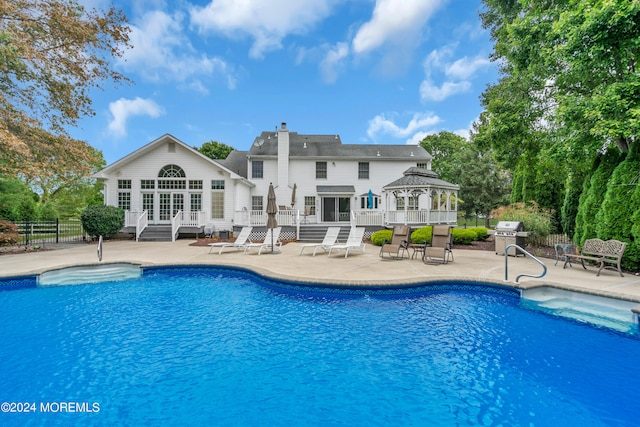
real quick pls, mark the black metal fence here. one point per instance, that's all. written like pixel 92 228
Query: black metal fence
pixel 39 232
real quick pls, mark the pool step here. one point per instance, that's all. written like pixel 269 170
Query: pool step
pixel 617 318
pixel 89 274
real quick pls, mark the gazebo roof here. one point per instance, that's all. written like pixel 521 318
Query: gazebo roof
pixel 419 178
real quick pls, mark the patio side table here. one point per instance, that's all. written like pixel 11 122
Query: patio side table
pixel 417 248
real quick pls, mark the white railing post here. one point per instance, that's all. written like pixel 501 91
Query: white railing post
pixel 142 222
pixel 175 225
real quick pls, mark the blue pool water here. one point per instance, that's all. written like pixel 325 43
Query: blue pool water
pixel 210 346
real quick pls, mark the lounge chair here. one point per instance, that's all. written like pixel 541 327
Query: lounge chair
pixel 266 244
pixel 329 240
pixel 398 246
pixel 239 243
pixel 440 250
pixel 354 242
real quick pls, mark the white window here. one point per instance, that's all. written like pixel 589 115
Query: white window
pixel 256 203
pixel 217 199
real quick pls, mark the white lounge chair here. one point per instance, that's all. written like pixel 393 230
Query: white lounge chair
pixel 354 242
pixel 266 244
pixel 329 240
pixel 240 242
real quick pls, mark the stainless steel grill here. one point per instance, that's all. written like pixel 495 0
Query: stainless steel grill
pixel 509 233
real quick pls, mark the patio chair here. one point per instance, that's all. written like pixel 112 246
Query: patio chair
pixel 440 250
pixel 239 243
pixel 354 242
pixel 266 243
pixel 398 246
pixel 329 240
pixel 208 230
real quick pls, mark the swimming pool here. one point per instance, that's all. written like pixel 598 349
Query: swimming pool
pixel 219 346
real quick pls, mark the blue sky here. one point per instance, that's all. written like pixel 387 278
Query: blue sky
pixel 372 71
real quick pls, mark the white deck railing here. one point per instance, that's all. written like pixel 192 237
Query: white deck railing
pixel 131 218
pixel 192 219
pixel 367 217
pixel 259 218
pixel 421 217
pixel 141 223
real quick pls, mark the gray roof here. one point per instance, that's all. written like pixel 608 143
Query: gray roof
pixel 343 189
pixel 236 161
pixel 331 146
pixel 417 178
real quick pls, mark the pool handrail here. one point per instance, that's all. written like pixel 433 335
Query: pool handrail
pixel 506 263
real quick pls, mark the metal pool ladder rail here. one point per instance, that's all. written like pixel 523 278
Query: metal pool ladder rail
pixel 506 264
pixel 100 249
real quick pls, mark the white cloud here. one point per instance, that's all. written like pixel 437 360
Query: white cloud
pixel 456 75
pixel 394 21
pixel 431 92
pixel 465 133
pixel 332 62
pixel 161 51
pixel 466 67
pixel 381 125
pixel 123 109
pixel 268 22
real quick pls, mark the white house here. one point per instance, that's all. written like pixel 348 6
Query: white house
pixel 317 180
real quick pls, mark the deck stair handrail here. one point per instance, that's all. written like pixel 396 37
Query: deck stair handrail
pixel 142 222
pixel 175 225
pixel 506 264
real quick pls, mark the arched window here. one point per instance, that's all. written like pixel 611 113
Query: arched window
pixel 171 171
pixel 172 177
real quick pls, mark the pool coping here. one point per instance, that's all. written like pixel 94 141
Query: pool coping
pixel 360 270
pixel 358 284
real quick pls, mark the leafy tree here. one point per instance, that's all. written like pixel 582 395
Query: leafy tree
pixel 445 148
pixel 65 184
pixel 215 150
pixel 52 54
pixel 483 184
pixel 613 221
pixel 17 200
pixel 569 89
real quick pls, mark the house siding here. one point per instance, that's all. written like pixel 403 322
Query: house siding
pixel 289 161
pixel 195 168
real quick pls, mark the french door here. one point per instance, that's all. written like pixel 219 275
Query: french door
pixel 168 205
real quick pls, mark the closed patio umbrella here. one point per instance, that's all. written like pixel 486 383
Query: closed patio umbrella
pixel 272 210
pixel 293 195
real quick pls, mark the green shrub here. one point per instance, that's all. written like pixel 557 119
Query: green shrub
pixel 8 233
pixel 481 233
pixel 101 220
pixel 378 237
pixel 422 235
pixel 463 236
